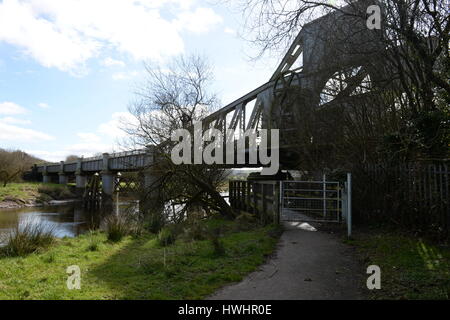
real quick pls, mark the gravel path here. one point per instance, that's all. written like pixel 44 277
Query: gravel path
pixel 308 264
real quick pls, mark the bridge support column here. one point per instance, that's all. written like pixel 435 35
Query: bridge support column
pixel 107 184
pixel 45 176
pixel 80 179
pixel 62 176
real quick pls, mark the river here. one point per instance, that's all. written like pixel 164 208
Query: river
pixel 66 220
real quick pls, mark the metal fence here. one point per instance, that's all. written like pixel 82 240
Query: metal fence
pixel 415 195
pixel 312 201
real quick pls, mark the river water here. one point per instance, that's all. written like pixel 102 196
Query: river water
pixel 66 220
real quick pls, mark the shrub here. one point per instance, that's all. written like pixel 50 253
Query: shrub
pixel 167 236
pixel 154 221
pixel 116 227
pixel 93 242
pixel 28 237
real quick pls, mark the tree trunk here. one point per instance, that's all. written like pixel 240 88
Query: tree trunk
pixel 226 210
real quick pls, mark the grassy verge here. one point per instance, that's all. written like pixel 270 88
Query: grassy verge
pixel 411 268
pixel 29 193
pixel 136 268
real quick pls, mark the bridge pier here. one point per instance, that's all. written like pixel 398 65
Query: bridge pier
pixel 107 183
pixel 80 179
pixel 62 178
pixel 46 178
pixel 62 175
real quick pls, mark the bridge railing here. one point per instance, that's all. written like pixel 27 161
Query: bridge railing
pixel 91 163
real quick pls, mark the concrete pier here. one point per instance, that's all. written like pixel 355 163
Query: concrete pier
pixel 107 183
pixel 62 175
pixel 62 178
pixel 80 181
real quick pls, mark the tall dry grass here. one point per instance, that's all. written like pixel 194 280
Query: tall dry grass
pixel 27 237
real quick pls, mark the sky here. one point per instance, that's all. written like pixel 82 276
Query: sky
pixel 69 68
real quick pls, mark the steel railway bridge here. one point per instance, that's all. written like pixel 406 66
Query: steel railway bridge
pixel 318 56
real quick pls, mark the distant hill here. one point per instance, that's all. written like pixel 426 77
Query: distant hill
pixel 14 164
pixel 23 156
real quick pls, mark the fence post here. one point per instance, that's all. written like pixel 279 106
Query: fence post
pixel 230 193
pixel 276 203
pixel 247 198
pixel 324 191
pixel 264 203
pixel 349 205
pixel 255 198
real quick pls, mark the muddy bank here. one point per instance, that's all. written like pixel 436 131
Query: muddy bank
pixel 17 203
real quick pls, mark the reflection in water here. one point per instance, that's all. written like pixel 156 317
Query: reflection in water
pixel 68 220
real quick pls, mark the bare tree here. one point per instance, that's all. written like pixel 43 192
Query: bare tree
pixel 173 98
pixel 13 164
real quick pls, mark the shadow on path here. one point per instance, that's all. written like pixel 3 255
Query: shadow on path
pixel 308 264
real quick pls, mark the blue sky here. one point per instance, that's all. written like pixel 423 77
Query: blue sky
pixel 68 68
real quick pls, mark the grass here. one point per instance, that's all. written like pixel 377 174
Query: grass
pixel 137 268
pixel 411 268
pixel 27 237
pixel 29 192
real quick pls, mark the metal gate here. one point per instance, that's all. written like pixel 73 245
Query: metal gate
pixel 313 201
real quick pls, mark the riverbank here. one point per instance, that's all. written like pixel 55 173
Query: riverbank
pixel 27 194
pixel 138 267
pixel 411 267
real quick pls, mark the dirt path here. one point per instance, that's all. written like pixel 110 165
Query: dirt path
pixel 307 265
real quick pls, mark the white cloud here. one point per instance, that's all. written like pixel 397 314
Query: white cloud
pixel 10 108
pixel 51 45
pixel 90 143
pixel 65 34
pixel 43 105
pixel 229 31
pixel 13 120
pixel 17 134
pixel 110 62
pixel 89 137
pixel 199 21
pixel 51 156
pixel 113 127
pixel 124 75
pixel 87 149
